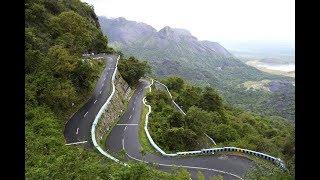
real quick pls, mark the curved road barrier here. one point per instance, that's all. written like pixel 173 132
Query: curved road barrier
pixel 172 98
pixel 210 139
pixel 146 127
pixel 180 108
pixel 95 122
pixel 183 166
pixel 276 161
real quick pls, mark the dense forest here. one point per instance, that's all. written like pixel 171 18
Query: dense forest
pixel 206 113
pixel 57 33
pixel 131 69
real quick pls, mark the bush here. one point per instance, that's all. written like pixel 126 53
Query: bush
pixel 132 70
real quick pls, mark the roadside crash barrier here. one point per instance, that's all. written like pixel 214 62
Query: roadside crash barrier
pixel 172 98
pixel 146 128
pixel 95 122
pixel 274 160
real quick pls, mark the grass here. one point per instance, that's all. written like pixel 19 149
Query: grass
pixel 143 139
pixel 102 142
pixel 205 142
pixel 266 169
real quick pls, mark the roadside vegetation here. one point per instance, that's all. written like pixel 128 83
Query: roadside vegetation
pixel 131 69
pixel 58 81
pixel 143 139
pixel 206 113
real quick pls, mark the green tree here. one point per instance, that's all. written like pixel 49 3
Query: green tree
pixel 180 138
pixel 174 83
pixel 176 119
pixel 223 133
pixel 196 118
pixel 73 31
pixel 210 100
pixel 132 70
pixel 62 62
pixel 189 96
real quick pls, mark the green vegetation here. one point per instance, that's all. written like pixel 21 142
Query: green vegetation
pixel 205 113
pixel 132 70
pixel 265 170
pixel 200 176
pixel 143 139
pixel 57 33
pixel 218 177
pixel 280 103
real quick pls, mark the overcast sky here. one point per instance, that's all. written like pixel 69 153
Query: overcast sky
pixel 224 21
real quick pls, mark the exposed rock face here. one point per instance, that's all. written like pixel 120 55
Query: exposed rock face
pixel 116 107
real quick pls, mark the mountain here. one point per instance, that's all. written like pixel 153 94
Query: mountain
pixel 218 48
pixel 124 31
pixel 173 51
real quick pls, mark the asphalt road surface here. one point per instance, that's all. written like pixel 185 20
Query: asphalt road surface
pixel 78 128
pixel 125 136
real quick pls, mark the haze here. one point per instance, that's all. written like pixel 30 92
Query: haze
pixel 229 22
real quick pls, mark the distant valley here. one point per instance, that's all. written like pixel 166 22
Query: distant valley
pixel 275 61
pixel 273 68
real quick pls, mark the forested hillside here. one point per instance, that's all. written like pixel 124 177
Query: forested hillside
pixel 206 113
pixel 58 81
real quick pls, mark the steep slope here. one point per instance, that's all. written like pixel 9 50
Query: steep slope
pixel 176 51
pixel 57 82
pixel 123 31
pixel 172 51
pixel 218 48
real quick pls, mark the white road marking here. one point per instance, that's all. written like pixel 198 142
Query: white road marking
pixel 127 124
pixel 190 167
pixel 130 116
pixel 95 101
pixel 77 143
pixel 123 137
pixel 85 114
pixel 77 131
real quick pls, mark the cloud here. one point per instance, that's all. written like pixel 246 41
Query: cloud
pixel 216 20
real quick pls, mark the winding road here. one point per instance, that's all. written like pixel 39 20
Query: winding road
pixel 77 129
pixel 125 136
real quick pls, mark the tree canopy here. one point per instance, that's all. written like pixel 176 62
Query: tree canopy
pixel 206 113
pixel 131 69
pixel 57 33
